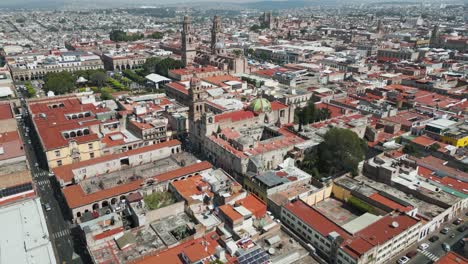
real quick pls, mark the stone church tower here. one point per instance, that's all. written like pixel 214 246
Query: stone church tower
pixel 188 45
pixel 198 95
pixel 217 37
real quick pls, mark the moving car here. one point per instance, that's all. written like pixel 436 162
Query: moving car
pixel 458 221
pixel 423 246
pixel 462 228
pixel 434 238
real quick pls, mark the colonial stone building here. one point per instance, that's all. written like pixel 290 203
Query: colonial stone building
pixel 216 55
pixel 35 66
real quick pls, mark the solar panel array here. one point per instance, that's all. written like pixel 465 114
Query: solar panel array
pixel 256 256
pixel 16 189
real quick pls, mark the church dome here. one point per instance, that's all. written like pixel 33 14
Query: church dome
pixel 260 105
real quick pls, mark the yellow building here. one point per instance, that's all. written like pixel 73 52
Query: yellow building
pixel 69 128
pixel 73 152
pixel 457 139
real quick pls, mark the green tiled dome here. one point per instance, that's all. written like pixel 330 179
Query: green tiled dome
pixel 260 105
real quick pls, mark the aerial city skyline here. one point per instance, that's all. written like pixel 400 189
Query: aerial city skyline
pixel 233 132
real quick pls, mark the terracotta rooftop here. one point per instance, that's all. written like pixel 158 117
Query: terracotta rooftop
pixel 234 116
pixel 191 186
pixel 5 111
pixel 195 250
pixel 52 122
pixel 424 141
pixel 390 203
pixel 178 87
pixel 452 258
pixel 11 145
pixel 76 197
pixel 221 79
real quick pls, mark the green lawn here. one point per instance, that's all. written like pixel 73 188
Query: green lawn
pixel 158 200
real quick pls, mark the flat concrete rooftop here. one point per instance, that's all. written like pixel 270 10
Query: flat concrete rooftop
pixel 25 238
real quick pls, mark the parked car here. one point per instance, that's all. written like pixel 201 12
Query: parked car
pixel 444 230
pixel 446 247
pixel 423 246
pixel 412 253
pixel 47 207
pixel 458 221
pixel 403 260
pixel 462 228
pixel 434 238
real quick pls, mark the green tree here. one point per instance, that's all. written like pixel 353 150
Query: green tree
pixel 157 35
pixel 263 56
pixel 251 52
pixel 98 78
pixel 237 52
pixel 434 147
pixel 106 94
pixel 161 66
pixel 133 76
pixel 59 82
pixel 119 35
pixel 409 149
pixel 30 90
pixel 341 151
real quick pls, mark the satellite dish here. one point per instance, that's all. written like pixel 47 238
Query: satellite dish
pixel 395 224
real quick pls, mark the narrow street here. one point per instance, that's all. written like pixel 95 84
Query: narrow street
pixel 49 193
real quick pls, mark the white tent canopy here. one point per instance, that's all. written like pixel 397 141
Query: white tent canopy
pixel 156 78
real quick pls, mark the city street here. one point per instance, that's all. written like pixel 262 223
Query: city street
pixel 49 192
pixel 435 251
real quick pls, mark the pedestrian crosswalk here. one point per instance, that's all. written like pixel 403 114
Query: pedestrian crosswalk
pixel 41 173
pixel 428 254
pixel 43 182
pixel 61 233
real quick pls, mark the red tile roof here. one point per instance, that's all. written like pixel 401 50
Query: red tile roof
pixel 390 203
pixel 452 258
pixel 254 205
pixel 235 116
pixel 387 228
pixel 192 186
pixel 54 122
pixel 315 219
pixel 221 79
pixel 277 106
pixel 355 245
pixel 192 70
pixel 12 145
pixel 334 110
pixel 424 141
pixel 195 249
pixel 194 168
pixel 108 233
pixel 5 111
pixel 230 213
pixel 76 197
pixel 178 87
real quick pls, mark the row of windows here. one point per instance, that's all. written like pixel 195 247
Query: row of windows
pixel 91 156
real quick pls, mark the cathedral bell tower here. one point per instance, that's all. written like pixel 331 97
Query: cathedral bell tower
pixel 188 45
pixel 198 96
pixel 217 36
